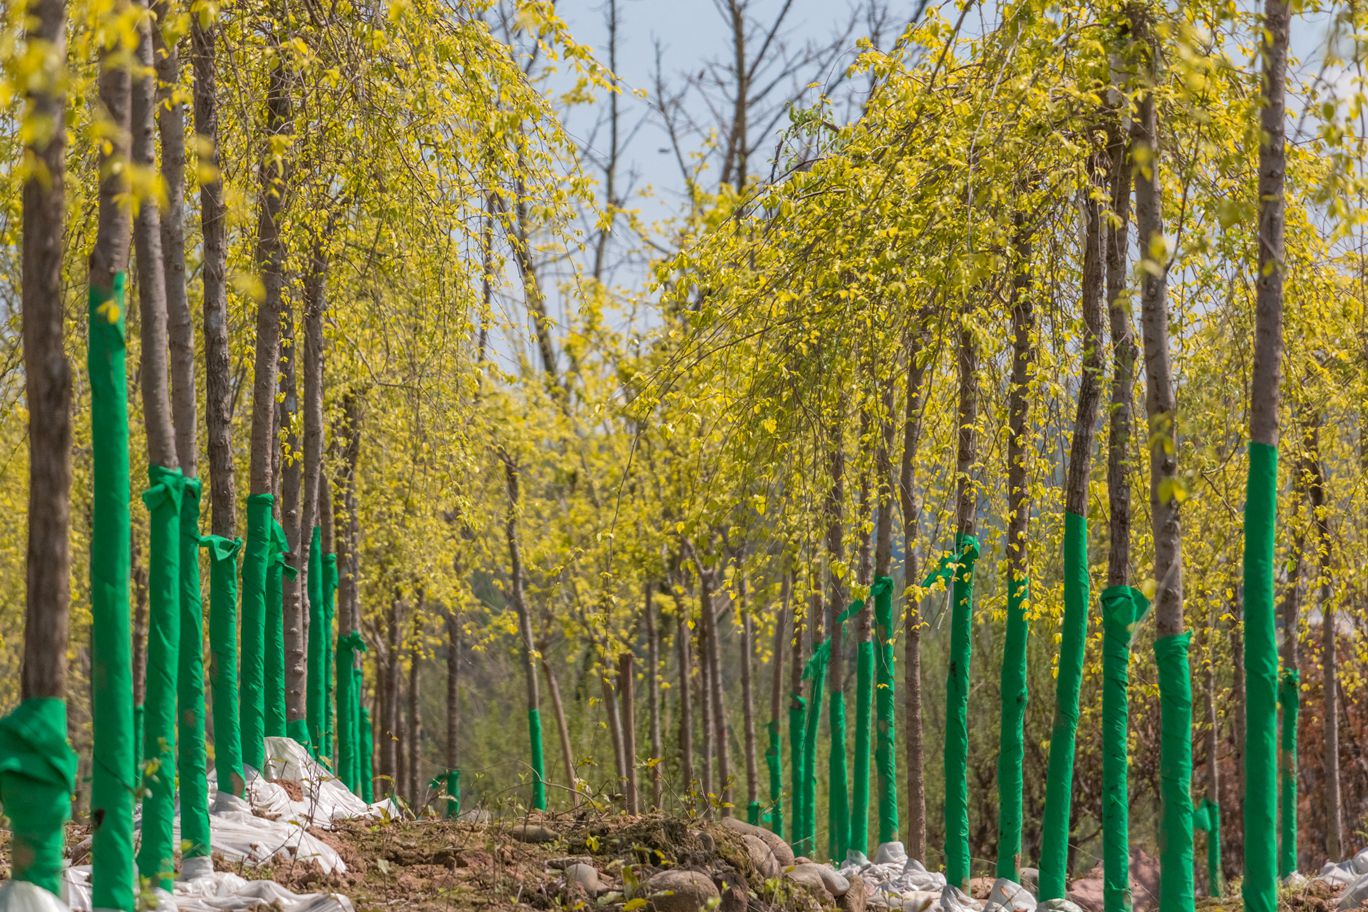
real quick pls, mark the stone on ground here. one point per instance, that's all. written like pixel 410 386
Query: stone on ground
pixel 681 891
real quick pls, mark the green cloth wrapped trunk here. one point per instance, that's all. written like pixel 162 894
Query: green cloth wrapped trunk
pixel 956 753
pixel 191 759
pixel 256 558
pixel 838 787
pixel 1259 888
pixel 317 683
pixel 1289 695
pixel 885 753
pixel 1122 609
pixel 815 674
pixel 329 613
pixel 1175 773
pixel 111 675
pixel 1054 846
pixel 534 734
pixel 864 717
pixel 797 716
pixel 223 662
pixel 364 767
pixel 1011 737
pixel 348 715
pixel 274 687
pixel 37 777
pixel 453 794
pixel 157 849
pixel 1207 817
pixel 775 764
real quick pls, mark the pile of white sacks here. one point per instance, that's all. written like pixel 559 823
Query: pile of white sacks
pixel 266 825
pixel 894 881
pixel 1351 875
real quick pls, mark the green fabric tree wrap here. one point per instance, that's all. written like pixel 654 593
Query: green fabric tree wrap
pixel 111 674
pixel 534 735
pixel 838 786
pixel 157 849
pixel 956 754
pixel 453 794
pixel 1122 609
pixel 885 753
pixel 775 764
pixel 1011 737
pixel 252 702
pixel 1207 816
pixel 864 718
pixel 1054 847
pixel 364 767
pixel 797 718
pixel 1259 888
pixel 331 739
pixel 1175 773
pixel 815 674
pixel 753 813
pixel 274 687
pixel 348 715
pixel 191 759
pixel 1289 696
pixel 223 661
pixel 37 777
pixel 317 660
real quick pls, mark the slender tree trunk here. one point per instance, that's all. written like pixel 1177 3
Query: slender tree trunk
pixel 153 365
pixel 315 300
pixel 704 697
pixel 453 694
pixel 562 730
pixel 295 608
pixel 1171 641
pixel 686 747
pixel 47 374
pixel 213 217
pixel 1014 672
pixel 713 648
pixel 415 779
pixel 525 628
pixel 1124 351
pixel 747 651
pixel 391 756
pixel 627 717
pixel 918 358
pixel 653 699
pixel 1334 814
pixel 614 724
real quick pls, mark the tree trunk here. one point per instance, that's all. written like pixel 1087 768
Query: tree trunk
pixel 415 779
pixel 391 757
pixel 712 650
pixel 748 712
pixel 838 808
pixel 295 610
pixel 213 217
pixel 918 358
pixel 152 365
pixel 453 693
pixel 1123 361
pixel 612 720
pixel 627 717
pixel 47 374
pixel 1014 672
pixel 525 628
pixel 686 748
pixel 653 699
pixel 562 730
pixel 1334 814
pixel 315 300
pixel 704 697
pixel 1171 642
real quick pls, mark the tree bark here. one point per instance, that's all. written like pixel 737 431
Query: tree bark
pixel 909 498
pixel 686 747
pixel 453 694
pixel 712 645
pixel 747 650
pixel 653 700
pixel 270 262
pixel 562 730
pixel 294 606
pixel 1334 814
pixel 627 717
pixel 613 721
pixel 315 300
pixel 413 722
pixel 1123 360
pixel 213 218
pixel 47 374
pixel 153 368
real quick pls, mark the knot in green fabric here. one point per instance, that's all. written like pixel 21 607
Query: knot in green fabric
pixel 37 777
pixel 1123 607
pixel 352 641
pixel 168 486
pixel 221 548
pixel 1204 814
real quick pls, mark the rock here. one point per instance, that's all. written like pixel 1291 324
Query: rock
pixel 761 856
pixel 1008 896
pixel 560 864
pixel 783 853
pixel 531 832
pixel 801 859
pixel 586 876
pixel 735 896
pixel 681 891
pixel 809 875
pixel 856 897
pixel 836 883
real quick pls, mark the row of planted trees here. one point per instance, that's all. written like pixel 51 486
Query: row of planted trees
pixel 870 404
